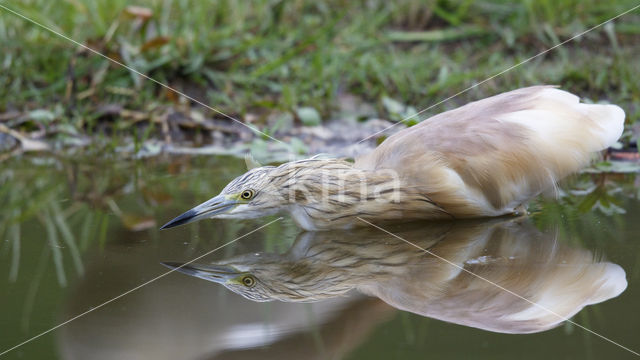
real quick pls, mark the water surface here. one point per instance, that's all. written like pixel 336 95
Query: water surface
pixel 78 233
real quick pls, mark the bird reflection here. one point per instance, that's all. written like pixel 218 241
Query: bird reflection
pixel 558 280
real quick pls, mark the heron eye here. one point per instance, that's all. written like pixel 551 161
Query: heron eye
pixel 248 281
pixel 247 194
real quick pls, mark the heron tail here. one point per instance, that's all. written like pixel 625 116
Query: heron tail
pixel 565 132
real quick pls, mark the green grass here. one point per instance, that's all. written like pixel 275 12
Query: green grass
pixel 263 57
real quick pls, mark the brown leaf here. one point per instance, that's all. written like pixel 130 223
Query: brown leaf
pixel 135 222
pixel 135 115
pixel 109 110
pixel 154 43
pixel 157 196
pixel 172 96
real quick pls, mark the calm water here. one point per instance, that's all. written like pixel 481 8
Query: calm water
pixel 78 233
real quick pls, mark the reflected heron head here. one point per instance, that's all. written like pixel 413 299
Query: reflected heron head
pixel 265 277
pixel 240 282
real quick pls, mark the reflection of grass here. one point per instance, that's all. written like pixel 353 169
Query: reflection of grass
pixel 578 211
pixel 14 237
pixel 52 237
pixel 74 205
pixel 275 56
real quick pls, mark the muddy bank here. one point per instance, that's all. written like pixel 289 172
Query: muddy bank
pixel 135 134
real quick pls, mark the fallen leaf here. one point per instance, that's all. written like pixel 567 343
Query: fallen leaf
pixel 157 196
pixel 135 222
pixel 139 12
pixel 41 116
pixel 308 116
pixel 33 145
pixel 154 43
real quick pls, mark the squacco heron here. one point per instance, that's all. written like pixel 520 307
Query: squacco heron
pixel 486 158
pixel 504 254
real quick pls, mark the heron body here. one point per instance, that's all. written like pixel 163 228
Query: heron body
pixel 486 158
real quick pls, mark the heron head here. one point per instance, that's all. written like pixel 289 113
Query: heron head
pixel 251 195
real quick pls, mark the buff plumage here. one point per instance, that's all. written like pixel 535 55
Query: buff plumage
pixel 486 158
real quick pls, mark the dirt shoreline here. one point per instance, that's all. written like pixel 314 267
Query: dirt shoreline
pixel 178 133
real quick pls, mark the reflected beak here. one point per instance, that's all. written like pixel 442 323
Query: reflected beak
pixel 214 206
pixel 216 273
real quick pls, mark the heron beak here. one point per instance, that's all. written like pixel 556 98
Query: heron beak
pixel 214 206
pixel 217 273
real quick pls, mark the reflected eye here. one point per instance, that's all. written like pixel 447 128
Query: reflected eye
pixel 248 281
pixel 247 194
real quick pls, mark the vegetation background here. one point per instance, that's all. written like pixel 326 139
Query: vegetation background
pixel 277 64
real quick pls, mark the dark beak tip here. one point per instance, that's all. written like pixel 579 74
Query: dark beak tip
pixel 179 220
pixel 171 264
pixel 167 226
